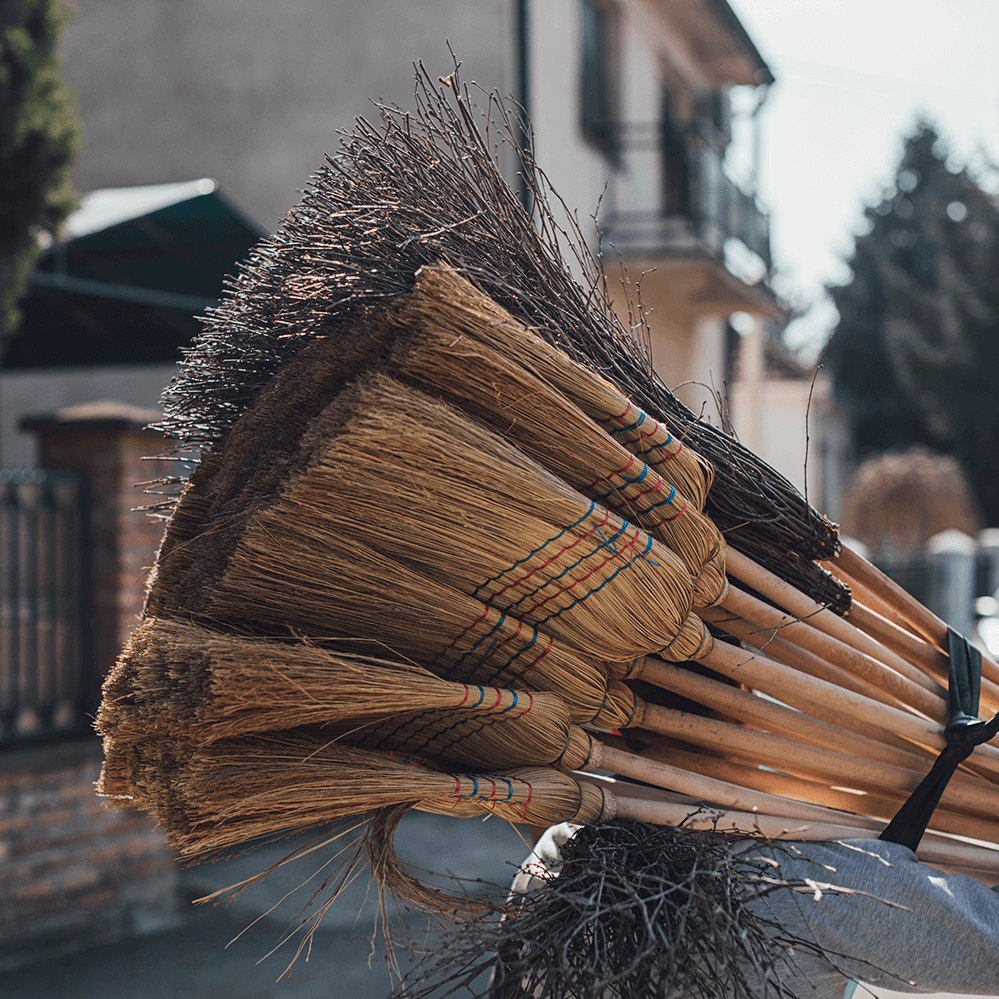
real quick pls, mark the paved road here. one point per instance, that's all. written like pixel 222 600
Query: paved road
pixel 196 960
pixel 220 952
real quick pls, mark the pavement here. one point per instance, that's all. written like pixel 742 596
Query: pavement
pixel 226 951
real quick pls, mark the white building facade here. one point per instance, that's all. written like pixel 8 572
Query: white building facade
pixel 629 101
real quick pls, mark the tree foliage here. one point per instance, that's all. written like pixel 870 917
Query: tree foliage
pixel 915 355
pixel 40 135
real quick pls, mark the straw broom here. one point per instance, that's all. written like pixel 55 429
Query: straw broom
pixel 266 597
pixel 544 554
pixel 272 533
pixel 432 324
pixel 419 545
pixel 242 779
pixel 211 798
pixel 411 711
pixel 421 190
pixel 197 516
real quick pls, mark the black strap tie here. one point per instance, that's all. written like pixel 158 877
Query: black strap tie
pixel 964 732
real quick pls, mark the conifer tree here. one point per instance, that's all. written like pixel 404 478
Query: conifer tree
pixel 915 355
pixel 40 135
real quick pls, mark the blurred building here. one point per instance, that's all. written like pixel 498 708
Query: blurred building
pixel 787 413
pixel 629 100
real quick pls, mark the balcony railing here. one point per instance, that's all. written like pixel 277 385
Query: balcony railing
pixel 46 683
pixel 682 202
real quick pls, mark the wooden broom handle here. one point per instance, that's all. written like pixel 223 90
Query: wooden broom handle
pixel 777 718
pixel 921 618
pixel 775 679
pixel 770 643
pixel 670 813
pixel 710 789
pixel 874 601
pixel 825 620
pixel 934 851
pixel 917 651
pixel 862 630
pixel 800 789
pixel 925 622
pixel 927 702
pixel 811 762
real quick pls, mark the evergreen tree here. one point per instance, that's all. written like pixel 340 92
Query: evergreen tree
pixel 915 355
pixel 40 136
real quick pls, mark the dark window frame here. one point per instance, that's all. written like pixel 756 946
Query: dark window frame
pixel 598 74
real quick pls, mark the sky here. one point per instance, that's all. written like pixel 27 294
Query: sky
pixel 853 77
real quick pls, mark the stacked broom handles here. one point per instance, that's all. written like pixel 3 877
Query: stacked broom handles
pixel 423 571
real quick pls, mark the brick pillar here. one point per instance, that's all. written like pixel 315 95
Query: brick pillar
pixel 74 872
pixel 106 440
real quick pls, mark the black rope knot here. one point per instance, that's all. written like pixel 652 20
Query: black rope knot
pixel 964 732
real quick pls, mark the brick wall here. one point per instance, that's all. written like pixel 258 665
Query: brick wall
pixel 107 442
pixel 73 871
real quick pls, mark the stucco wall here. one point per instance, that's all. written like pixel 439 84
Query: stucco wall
pixel 33 391
pixel 252 92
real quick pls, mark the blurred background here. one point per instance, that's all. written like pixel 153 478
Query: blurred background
pixel 806 190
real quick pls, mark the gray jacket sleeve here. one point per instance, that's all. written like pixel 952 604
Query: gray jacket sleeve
pixel 914 928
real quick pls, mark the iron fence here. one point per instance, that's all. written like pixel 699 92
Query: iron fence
pixel 47 687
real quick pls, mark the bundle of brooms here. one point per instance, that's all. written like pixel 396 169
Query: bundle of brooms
pixel 452 545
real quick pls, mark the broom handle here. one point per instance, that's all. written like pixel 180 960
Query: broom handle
pixel 663 775
pixel 801 789
pixel 915 650
pixel 775 679
pixel 777 718
pixel 933 851
pixel 811 762
pixel 863 630
pixel 773 646
pixel 735 794
pixel 670 813
pixel 829 623
pixel 861 594
pixel 921 618
pixel 932 704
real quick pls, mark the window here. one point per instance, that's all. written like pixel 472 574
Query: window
pixel 596 77
pixel 675 159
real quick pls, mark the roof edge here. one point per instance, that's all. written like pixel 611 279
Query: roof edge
pixel 730 20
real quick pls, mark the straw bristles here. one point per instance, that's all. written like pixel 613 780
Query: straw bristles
pixel 436 352
pixel 509 534
pixel 447 299
pixel 375 605
pixel 215 797
pixel 187 682
pixel 370 603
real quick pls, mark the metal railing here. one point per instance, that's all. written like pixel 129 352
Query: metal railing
pixel 47 688
pixel 725 211
pixel 718 210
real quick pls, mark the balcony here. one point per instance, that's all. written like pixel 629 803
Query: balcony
pixel 671 206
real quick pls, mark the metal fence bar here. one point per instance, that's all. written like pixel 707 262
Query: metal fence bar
pixel 46 681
